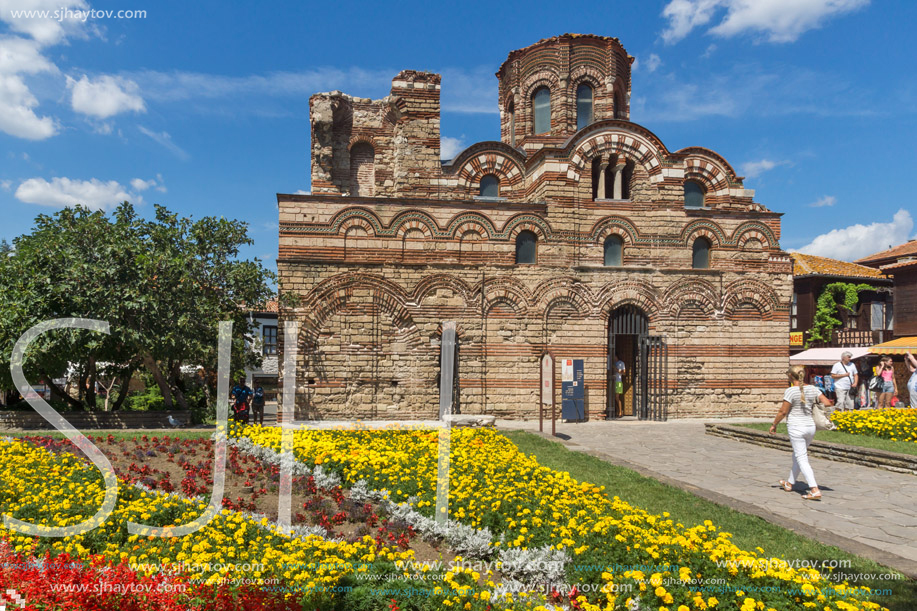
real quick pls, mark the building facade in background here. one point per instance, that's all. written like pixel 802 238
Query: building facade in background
pixel 578 233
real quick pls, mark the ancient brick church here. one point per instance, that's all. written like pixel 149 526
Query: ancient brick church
pixel 578 233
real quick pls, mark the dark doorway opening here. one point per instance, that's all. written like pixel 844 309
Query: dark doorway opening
pixel 645 358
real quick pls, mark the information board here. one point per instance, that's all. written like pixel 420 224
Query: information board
pixel 573 391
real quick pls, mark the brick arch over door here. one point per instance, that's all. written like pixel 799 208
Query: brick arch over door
pixel 633 292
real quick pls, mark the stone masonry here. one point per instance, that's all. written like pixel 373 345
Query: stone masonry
pixel 392 242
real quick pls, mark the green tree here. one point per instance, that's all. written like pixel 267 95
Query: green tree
pixel 834 297
pixel 162 284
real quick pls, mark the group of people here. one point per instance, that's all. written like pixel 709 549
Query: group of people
pixel 245 401
pixel 800 399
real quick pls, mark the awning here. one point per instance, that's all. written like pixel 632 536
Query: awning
pixel 826 356
pixel 896 346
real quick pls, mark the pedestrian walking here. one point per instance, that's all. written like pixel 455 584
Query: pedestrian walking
pixel 258 406
pixel 798 401
pixel 846 378
pixel 911 363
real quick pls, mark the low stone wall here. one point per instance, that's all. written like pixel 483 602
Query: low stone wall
pixel 867 457
pixel 31 421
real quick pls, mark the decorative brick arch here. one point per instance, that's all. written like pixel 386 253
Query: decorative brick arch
pixel 704 228
pixel 529 222
pixel 607 142
pixel 506 169
pixel 543 77
pixel 507 289
pixel 691 294
pixel 614 225
pixel 748 291
pixel 347 214
pixel 463 221
pixel 332 295
pixel 757 230
pixel 354 223
pixel 414 219
pixel 708 172
pixel 633 292
pixel 362 139
pixel 437 281
pixel 569 289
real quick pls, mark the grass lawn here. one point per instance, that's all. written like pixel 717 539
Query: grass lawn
pixel 117 433
pixel 748 531
pixel 850 439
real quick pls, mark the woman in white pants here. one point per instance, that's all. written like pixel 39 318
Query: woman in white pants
pixel 797 409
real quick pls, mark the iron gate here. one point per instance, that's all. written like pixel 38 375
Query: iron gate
pixel 651 401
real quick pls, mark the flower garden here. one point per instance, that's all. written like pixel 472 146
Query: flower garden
pixel 520 535
pixel 893 424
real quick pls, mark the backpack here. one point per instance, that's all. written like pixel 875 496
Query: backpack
pixel 875 383
pixel 259 395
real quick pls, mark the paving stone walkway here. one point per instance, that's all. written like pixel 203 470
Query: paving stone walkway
pixel 868 512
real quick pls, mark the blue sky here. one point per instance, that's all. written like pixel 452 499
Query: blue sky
pixel 203 106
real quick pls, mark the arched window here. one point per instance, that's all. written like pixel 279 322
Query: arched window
pixel 362 170
pixel 541 106
pixel 490 186
pixel 694 194
pixel 583 106
pixel 701 254
pixel 512 123
pixel 526 243
pixel 614 251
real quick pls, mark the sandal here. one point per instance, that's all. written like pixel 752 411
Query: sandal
pixel 786 485
pixel 808 496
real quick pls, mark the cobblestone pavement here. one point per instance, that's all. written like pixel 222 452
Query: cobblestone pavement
pixel 866 511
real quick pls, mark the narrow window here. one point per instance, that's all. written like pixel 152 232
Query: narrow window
pixel 620 112
pixel 583 106
pixel 362 170
pixel 701 254
pixel 490 186
pixel 526 242
pixel 694 194
pixel 269 337
pixel 614 251
pixel 512 124
pixel 541 103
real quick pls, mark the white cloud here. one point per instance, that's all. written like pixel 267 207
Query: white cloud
pixel 464 90
pixel 17 117
pixel 450 147
pixel 105 97
pixel 653 62
pixel 858 241
pixel 165 140
pixel 777 20
pixel 138 184
pixel 60 18
pixel 753 169
pixel 63 192
pixel 6 184
pixel 821 202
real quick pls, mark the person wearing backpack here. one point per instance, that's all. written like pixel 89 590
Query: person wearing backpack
pixel 258 406
pixel 241 395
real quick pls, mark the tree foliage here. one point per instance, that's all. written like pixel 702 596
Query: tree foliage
pixel 834 297
pixel 163 285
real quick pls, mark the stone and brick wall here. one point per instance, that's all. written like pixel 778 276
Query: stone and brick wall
pixel 381 266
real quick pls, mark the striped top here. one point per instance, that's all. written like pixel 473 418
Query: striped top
pixel 799 412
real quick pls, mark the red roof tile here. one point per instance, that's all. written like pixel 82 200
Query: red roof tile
pixel 908 249
pixel 804 265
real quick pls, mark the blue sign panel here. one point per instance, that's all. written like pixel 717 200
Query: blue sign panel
pixel 573 391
